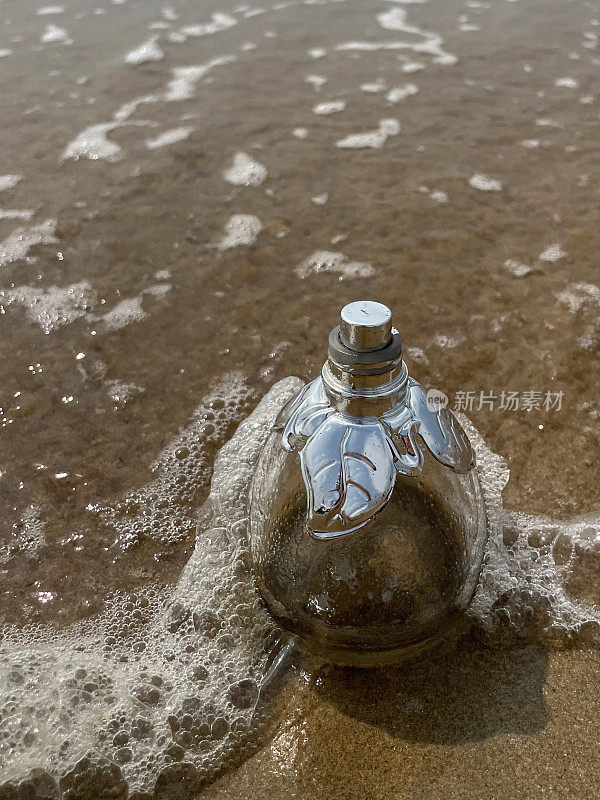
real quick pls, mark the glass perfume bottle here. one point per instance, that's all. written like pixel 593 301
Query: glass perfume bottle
pixel 367 520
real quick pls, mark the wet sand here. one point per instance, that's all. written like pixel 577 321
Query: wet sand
pixel 479 724
pixel 476 222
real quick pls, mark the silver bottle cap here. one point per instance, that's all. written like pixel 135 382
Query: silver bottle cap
pixel 365 325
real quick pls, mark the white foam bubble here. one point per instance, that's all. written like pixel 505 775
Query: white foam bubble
pixel 127 109
pixel 449 342
pixel 373 47
pixel 8 181
pixel 530 144
pixel 590 339
pixel 401 92
pixel 130 309
pixel 93 143
pixel 395 20
pixel 331 261
pixel 240 229
pixel 16 213
pixel 374 139
pixel 124 313
pixel 418 355
pixel 27 537
pixel 439 197
pixel 329 107
pixel 159 290
pixel 517 268
pixel 5 52
pixel 53 34
pixel 182 85
pixel 53 306
pixel 159 26
pixel 121 392
pixel 219 22
pixel 412 66
pixel 316 81
pixel 169 137
pixel 317 52
pixel 50 10
pixel 147 51
pixel 545 122
pixel 373 87
pixel 245 171
pixel 320 199
pixel 578 295
pixel 567 83
pixel 19 242
pixel 300 133
pixel 484 184
pixel 553 252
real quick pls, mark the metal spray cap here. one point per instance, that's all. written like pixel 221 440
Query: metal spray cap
pixel 364 366
pixel 365 326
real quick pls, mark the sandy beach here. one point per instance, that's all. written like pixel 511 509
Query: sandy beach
pixel 188 196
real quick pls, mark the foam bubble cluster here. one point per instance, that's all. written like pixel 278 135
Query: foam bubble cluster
pixel 169 137
pixel 374 139
pixel 27 536
pixel 148 51
pixel 532 569
pixel 52 307
pixel 331 261
pixel 165 509
pixel 485 184
pixel 240 229
pixel 245 171
pixel 19 242
pixel 161 686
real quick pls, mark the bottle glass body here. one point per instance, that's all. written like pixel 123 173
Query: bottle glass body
pixel 382 592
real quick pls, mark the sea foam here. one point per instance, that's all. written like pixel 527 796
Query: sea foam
pixel 164 678
pixel 161 677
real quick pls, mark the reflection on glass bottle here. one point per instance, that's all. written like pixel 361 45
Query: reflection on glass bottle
pixel 367 522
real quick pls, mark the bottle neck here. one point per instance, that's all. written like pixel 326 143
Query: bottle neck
pixel 364 394
pixel 364 375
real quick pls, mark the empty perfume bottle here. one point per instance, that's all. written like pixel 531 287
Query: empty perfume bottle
pixel 367 521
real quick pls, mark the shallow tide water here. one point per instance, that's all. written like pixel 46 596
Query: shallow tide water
pixel 188 195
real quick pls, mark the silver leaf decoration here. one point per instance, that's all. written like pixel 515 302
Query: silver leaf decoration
pixel 441 431
pixel 349 464
pixel 349 472
pixel 306 414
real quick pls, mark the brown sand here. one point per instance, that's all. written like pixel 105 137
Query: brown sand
pixel 483 724
pixel 522 723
